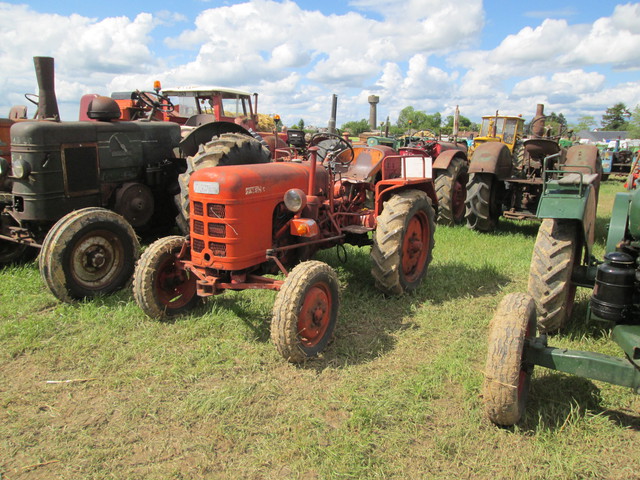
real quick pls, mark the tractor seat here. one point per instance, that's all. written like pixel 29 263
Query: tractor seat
pixel 367 162
pixel 574 179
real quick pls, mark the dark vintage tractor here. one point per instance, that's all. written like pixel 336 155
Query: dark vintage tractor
pixel 561 262
pixel 250 221
pixel 83 191
pixel 506 171
pixel 450 169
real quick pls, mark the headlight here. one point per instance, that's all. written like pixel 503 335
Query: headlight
pixel 20 169
pixel 295 200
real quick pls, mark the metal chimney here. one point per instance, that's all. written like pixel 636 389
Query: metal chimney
pixel 334 109
pixel 47 103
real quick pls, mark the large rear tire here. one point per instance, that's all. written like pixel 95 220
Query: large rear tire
pixel 451 189
pixel 403 242
pixel 87 253
pixel 227 149
pixel 483 206
pixel 507 377
pixel 160 288
pixel 305 311
pixel 555 255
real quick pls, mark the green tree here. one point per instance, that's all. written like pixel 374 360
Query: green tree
pixel 616 117
pixel 299 125
pixel 356 127
pixel 585 122
pixel 418 120
pixel 634 123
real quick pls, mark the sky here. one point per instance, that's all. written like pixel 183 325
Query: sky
pixel 576 57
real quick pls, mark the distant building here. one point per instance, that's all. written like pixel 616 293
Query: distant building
pixel 602 136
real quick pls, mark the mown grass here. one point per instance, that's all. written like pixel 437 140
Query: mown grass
pixel 396 395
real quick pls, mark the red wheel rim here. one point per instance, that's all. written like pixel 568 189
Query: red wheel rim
pixel 459 195
pixel 415 246
pixel 315 315
pixel 174 286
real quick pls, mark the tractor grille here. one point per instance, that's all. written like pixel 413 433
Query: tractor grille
pixel 197 208
pixel 218 249
pixel 215 210
pixel 198 227
pixel 217 230
pixel 197 245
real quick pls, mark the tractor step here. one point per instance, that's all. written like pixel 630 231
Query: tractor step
pixel 356 229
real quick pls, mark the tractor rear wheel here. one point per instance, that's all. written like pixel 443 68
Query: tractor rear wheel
pixel 451 188
pixel 305 311
pixel 403 242
pixel 555 255
pixel 227 149
pixel 160 288
pixel 507 377
pixel 483 206
pixel 87 253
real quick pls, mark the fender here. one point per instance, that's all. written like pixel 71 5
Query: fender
pixel 492 157
pixel 443 160
pixel 204 133
pixel 386 193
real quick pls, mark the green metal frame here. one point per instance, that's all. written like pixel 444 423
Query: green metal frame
pixel 596 366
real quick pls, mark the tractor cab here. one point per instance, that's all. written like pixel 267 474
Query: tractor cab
pixel 498 128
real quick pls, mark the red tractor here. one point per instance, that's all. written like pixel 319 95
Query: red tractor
pixel 249 221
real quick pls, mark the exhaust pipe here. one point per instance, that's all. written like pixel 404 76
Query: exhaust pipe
pixel 47 103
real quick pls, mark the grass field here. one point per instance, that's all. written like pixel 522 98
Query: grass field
pixel 396 395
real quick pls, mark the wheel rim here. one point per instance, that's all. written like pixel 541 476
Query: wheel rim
pixel 315 315
pixel 459 196
pixel 174 287
pixel 415 246
pixel 96 259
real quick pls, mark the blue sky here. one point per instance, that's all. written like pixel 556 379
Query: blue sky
pixel 578 58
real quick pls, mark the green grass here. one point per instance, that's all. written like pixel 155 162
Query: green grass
pixel 397 394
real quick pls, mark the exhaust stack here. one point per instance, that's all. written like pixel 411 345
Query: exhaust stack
pixel 47 103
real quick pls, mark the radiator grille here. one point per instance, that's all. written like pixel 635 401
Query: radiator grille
pixel 217 230
pixel 197 208
pixel 198 227
pixel 218 249
pixel 197 244
pixel 216 210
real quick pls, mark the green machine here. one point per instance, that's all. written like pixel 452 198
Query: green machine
pixel 561 261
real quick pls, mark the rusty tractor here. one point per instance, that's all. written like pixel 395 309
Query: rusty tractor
pixel 82 191
pixel 506 171
pixel 249 221
pixel 450 170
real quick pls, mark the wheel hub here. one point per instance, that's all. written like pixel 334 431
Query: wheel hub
pixel 314 317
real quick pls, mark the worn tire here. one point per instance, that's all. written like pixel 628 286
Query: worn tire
pixel 483 208
pixel 159 288
pixel 227 149
pixel 555 254
pixel 507 378
pixel 87 253
pixel 451 189
pixel 308 302
pixel 403 242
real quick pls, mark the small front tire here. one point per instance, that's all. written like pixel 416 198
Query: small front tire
pixel 160 288
pixel 507 377
pixel 305 311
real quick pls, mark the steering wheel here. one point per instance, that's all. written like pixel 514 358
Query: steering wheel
pixel 156 101
pixel 32 97
pixel 331 145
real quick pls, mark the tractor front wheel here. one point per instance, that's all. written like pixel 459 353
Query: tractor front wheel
pixel 89 252
pixel 555 255
pixel 305 311
pixel 451 188
pixel 483 206
pixel 507 376
pixel 11 252
pixel 403 242
pixel 160 288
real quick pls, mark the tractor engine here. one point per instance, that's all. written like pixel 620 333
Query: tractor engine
pixel 237 213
